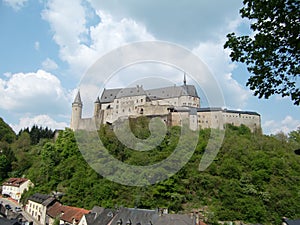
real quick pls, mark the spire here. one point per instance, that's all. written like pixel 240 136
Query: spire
pixel 184 80
pixel 78 98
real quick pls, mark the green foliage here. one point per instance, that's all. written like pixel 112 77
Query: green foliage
pixel 37 133
pixel 139 127
pixel 254 178
pixel 4 167
pixel 7 136
pixel 273 54
pixel 6 132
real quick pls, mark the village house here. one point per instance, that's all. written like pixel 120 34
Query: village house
pixel 67 215
pixel 14 187
pixel 37 205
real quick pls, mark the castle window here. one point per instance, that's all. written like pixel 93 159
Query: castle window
pixel 141 100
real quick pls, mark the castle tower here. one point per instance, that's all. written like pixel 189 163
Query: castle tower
pixel 76 112
pixel 97 107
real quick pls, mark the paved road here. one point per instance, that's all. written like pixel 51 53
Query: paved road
pixel 13 205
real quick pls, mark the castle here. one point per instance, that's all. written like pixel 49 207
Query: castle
pixel 172 104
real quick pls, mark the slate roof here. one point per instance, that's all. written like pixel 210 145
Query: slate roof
pixel 108 95
pixel 95 212
pixel 171 219
pixel 135 216
pixel 42 199
pixel 291 222
pixel 68 213
pixel 172 92
pixel 78 98
pixel 104 217
pixel 215 109
pixel 16 182
pixel 4 221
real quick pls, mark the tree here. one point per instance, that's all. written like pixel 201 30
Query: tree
pixel 4 167
pixel 272 55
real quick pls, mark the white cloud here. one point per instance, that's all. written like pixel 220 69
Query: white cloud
pixel 39 92
pixel 39 120
pixel 184 22
pixel 111 33
pixel 82 44
pixel 16 4
pixel 67 20
pixel 49 64
pixel 217 59
pixel 286 125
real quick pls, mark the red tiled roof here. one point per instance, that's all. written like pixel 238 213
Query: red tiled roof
pixel 202 223
pixel 68 213
pixel 54 210
pixel 16 182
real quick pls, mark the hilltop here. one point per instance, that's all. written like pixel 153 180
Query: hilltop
pixel 254 178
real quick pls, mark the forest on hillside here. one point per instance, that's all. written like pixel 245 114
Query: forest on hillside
pixel 255 178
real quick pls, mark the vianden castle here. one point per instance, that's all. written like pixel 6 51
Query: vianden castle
pixel 172 104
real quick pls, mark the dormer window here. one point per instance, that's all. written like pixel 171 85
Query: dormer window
pixel 128 222
pixel 119 222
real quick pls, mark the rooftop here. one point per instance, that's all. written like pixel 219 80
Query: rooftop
pixel 68 213
pixel 16 182
pixel 135 216
pixel 42 199
pixel 108 95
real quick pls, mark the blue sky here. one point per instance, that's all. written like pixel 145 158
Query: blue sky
pixel 46 47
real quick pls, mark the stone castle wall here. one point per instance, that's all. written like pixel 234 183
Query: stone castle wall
pixel 171 110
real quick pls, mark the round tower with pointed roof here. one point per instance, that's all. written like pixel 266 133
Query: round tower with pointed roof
pixel 76 112
pixel 97 107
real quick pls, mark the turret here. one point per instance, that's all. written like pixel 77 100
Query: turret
pixel 97 107
pixel 76 112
